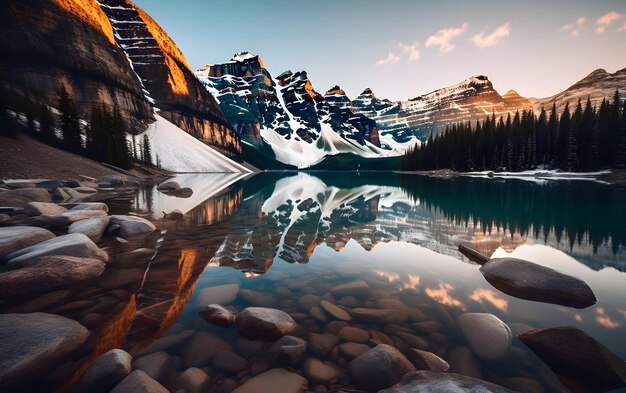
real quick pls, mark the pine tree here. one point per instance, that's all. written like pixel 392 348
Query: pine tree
pixel 47 124
pixel 69 122
pixel 147 153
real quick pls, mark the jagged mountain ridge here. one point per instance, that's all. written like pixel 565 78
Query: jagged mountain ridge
pixel 301 125
pixel 598 85
pixel 167 78
pixel 472 99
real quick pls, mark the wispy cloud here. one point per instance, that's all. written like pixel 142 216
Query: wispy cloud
pixel 623 28
pixel 574 28
pixel 443 38
pixel 484 40
pixel 605 21
pixel 390 59
pixel 410 50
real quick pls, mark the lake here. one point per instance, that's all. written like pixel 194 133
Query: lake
pixel 287 240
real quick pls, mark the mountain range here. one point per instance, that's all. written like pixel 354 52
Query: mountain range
pixel 111 52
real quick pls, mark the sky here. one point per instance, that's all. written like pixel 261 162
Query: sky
pixel 405 48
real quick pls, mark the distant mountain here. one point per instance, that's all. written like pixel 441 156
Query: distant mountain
pixel 168 82
pixel 472 99
pixel 597 85
pixel 286 113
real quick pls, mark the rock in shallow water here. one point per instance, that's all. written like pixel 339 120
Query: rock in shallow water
pixel 131 227
pixel 438 382
pixel 321 344
pixel 229 362
pixel 288 350
pixel 47 273
pixel 39 208
pixel 202 348
pixel 530 281
pixel 16 238
pixel 424 360
pixel 218 315
pixel 260 323
pixel 93 228
pixel 318 372
pixel 488 337
pixel 379 368
pixel 138 381
pixel 220 294
pixel 75 245
pixel 272 381
pixel 106 372
pixel 335 311
pixel 33 344
pixel 193 380
pixel 579 361
pixel 354 288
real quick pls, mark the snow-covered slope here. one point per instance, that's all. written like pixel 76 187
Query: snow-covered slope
pixel 175 150
pixel 301 126
pixel 597 85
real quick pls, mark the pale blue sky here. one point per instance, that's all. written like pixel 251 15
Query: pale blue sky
pixel 535 47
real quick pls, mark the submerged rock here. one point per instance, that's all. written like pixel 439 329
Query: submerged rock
pixel 47 273
pixel 530 281
pixel 487 336
pixel 229 362
pixel 321 344
pixel 110 180
pixel 106 372
pixel 74 244
pixel 33 344
pixel 139 381
pixel 193 380
pixel 262 323
pixel 218 315
pixel 16 238
pixel 93 228
pixel 319 372
pixel 335 311
pixel 353 288
pixel 439 382
pixel 220 294
pixel 276 379
pixel 424 360
pixel 579 361
pixel 379 368
pixel 288 350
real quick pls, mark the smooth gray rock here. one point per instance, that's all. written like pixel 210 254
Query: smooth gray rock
pixel 106 372
pixel 131 227
pixel 352 350
pixel 44 274
pixel 318 372
pixel 379 368
pixel 321 344
pixel 193 380
pixel 21 197
pixel 424 360
pixel 156 365
pixel 138 381
pixel 440 382
pixel 91 206
pixel 74 244
pixel 110 180
pixel 169 185
pixel 39 208
pixel 487 336
pixel 354 288
pixel 578 360
pixel 530 281
pixel 229 362
pixel 202 348
pixel 335 311
pixel 33 344
pixel 288 350
pixel 268 382
pixel 16 238
pixel 260 323
pixel 349 333
pixel 218 315
pixel 93 228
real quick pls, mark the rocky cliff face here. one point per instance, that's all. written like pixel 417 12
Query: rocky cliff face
pixel 49 44
pixel 597 85
pixel 167 78
pixel 301 125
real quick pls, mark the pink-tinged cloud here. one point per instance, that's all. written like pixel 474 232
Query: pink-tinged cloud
pixel 603 319
pixel 484 40
pixel 443 38
pixel 574 28
pixel 410 50
pixel 605 21
pixel 442 295
pixel 623 28
pixel 482 296
pixel 390 59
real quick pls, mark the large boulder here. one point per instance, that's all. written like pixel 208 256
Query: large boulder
pixel 260 323
pixel 139 381
pixel 579 361
pixel 43 274
pixel 276 379
pixel 16 238
pixel 131 227
pixel 74 244
pixel 424 360
pixel 530 281
pixel 33 344
pixel 106 372
pixel 487 336
pixel 218 315
pixel 440 382
pixel 379 368
pixel 93 228
pixel 39 208
pixel 22 196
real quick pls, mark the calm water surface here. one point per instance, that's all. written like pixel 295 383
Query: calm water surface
pixel 270 239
